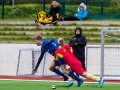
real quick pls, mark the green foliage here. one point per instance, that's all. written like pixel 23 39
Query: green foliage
pixel 115 3
pixel 31 10
pixel 111 11
pixel 94 10
pixel 22 11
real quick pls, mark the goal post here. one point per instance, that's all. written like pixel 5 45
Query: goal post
pixel 110 54
pixel 27 60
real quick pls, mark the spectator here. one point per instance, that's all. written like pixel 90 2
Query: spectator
pixel 54 8
pixel 78 43
pixel 49 19
pixel 81 14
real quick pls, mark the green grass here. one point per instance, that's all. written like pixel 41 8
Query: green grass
pixel 40 85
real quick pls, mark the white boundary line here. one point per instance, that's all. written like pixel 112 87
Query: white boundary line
pixel 51 81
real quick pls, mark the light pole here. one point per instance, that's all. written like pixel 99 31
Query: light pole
pixel 43 5
pixel 102 6
pixel 13 2
pixel 2 9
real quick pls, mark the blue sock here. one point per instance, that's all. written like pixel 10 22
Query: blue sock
pixel 71 74
pixel 57 71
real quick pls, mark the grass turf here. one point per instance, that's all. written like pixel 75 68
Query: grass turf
pixel 41 85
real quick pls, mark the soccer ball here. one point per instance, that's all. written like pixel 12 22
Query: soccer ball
pixel 53 86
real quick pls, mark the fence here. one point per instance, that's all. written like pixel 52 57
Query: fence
pixel 96 8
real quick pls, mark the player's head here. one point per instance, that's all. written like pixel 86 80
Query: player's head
pixel 38 40
pixel 61 41
pixel 78 31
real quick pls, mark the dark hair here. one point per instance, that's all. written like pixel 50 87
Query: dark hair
pixel 78 28
pixel 38 37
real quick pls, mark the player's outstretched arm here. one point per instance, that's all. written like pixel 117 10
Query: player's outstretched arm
pixel 39 61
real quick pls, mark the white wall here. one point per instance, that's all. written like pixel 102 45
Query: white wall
pixel 9 57
pixel 111 60
pixel 93 57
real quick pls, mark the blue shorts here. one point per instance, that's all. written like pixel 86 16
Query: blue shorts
pixel 60 61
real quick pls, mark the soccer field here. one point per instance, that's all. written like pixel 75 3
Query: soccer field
pixel 46 85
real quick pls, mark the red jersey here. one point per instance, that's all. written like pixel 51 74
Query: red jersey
pixel 67 56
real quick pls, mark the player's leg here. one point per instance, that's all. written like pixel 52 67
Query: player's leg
pixel 101 82
pixel 69 73
pixel 57 71
pixel 62 64
pixel 80 81
pixel 90 76
pixel 79 70
pixel 95 78
pixel 65 71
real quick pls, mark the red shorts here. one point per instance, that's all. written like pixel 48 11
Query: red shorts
pixel 77 68
pixel 56 63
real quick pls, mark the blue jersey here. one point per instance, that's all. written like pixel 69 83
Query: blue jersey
pixel 49 46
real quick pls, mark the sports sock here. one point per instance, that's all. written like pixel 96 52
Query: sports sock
pixel 71 74
pixel 57 71
pixel 92 77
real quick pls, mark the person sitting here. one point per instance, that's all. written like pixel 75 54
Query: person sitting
pixel 81 14
pixel 42 18
pixel 54 8
pixel 51 18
